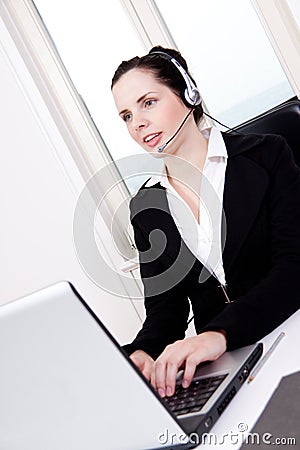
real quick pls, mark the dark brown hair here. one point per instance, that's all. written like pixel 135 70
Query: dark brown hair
pixel 163 70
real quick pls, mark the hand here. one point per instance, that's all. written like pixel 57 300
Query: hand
pixel 187 354
pixel 144 362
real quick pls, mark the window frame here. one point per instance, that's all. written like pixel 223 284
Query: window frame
pixel 284 34
pixel 68 110
pixel 149 23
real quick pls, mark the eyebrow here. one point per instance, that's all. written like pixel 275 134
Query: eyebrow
pixel 138 101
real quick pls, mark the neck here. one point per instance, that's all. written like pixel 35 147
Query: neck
pixel 187 162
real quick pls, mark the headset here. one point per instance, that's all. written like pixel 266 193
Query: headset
pixel 191 95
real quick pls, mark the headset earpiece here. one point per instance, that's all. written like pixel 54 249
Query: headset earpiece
pixel 191 95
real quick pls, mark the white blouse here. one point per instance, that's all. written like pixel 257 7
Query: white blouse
pixel 204 239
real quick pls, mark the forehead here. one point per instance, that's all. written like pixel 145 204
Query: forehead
pixel 133 85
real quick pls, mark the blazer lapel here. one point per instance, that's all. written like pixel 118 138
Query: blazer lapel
pixel 245 186
pixel 154 198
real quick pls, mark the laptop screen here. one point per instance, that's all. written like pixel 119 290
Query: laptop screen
pixel 65 383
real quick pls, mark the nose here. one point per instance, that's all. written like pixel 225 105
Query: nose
pixel 139 122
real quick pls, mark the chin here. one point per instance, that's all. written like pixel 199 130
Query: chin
pixel 156 154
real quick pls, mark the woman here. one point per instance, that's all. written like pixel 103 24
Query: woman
pixel 253 178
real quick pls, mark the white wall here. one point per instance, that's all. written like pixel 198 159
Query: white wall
pixel 37 201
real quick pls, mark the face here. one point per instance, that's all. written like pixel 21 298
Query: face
pixel 151 111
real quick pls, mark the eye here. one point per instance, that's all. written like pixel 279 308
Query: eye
pixel 126 117
pixel 150 102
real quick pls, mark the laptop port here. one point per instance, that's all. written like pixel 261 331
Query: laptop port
pixel 208 422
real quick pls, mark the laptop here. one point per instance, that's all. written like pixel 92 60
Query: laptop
pixel 66 384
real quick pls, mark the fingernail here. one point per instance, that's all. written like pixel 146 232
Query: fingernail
pixel 185 383
pixel 169 391
pixel 161 392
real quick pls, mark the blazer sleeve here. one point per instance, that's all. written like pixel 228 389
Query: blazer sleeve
pixel 166 312
pixel 277 295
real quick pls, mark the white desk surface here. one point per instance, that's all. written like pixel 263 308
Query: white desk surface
pixel 250 401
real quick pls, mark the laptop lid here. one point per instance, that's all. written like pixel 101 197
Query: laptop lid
pixel 65 383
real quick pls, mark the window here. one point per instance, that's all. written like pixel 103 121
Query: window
pixel 230 56
pixel 295 8
pixel 92 40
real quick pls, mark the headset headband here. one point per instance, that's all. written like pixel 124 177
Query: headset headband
pixel 191 94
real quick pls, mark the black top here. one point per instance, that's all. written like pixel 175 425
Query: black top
pixel 261 257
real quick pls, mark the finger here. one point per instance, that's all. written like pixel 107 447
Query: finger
pixel 171 372
pixel 189 371
pixel 160 376
pixel 147 370
pixel 139 363
pixel 152 377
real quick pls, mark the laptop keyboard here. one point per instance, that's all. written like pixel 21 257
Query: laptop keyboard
pixel 192 399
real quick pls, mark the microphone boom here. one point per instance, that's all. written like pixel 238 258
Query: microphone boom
pixel 161 148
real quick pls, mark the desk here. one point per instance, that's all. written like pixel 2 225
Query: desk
pixel 250 401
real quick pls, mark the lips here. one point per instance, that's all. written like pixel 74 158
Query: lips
pixel 152 139
pixel 149 137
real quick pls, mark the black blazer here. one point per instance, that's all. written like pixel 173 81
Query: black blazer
pixel 261 256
